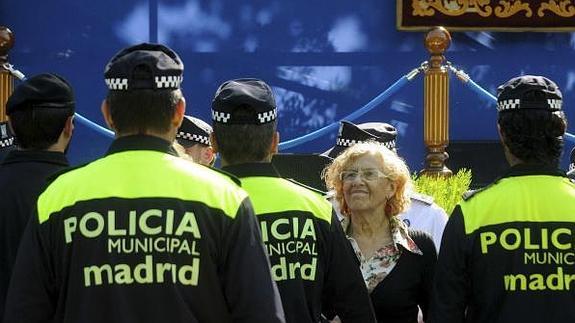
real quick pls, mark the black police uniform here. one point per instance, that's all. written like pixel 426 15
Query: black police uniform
pixel 142 235
pixel 508 251
pixel 312 262
pixel 24 173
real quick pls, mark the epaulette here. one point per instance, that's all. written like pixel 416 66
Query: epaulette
pixel 223 172
pixel 306 186
pixel 421 198
pixel 469 194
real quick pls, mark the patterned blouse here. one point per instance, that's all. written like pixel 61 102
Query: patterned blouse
pixel 376 268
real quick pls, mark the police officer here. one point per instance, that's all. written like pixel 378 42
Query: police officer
pixel 423 214
pixel 311 259
pixel 194 136
pixel 140 235
pixel 40 111
pixel 508 250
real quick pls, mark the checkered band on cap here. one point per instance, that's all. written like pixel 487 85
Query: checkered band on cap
pixel 389 144
pixel 168 82
pixel 222 117
pixel 117 83
pixel 346 142
pixel 6 142
pixel 511 104
pixel 555 104
pixel 349 142
pixel 162 82
pixel 508 104
pixel 267 116
pixel 194 137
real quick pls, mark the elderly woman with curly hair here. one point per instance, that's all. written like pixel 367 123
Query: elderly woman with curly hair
pixel 371 185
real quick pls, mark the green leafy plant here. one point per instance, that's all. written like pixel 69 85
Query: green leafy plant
pixel 446 191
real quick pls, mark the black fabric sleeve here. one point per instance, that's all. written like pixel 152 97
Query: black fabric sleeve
pixel 251 293
pixel 345 292
pixel 451 284
pixel 427 247
pixel 33 291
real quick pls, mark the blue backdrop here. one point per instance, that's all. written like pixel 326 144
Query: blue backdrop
pixel 324 59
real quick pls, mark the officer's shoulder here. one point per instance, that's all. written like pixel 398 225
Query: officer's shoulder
pixel 54 176
pixel 232 177
pixel 52 179
pixel 313 189
pixel 425 199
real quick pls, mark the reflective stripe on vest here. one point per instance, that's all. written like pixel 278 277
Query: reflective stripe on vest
pixel 141 174
pixel 535 198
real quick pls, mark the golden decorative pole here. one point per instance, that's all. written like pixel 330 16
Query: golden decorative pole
pixel 436 107
pixel 6 79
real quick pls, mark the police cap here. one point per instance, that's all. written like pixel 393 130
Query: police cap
pixel 144 67
pixel 244 101
pixel 193 131
pixel 43 90
pixel 350 134
pixel 529 92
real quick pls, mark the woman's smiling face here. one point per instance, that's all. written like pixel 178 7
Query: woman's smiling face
pixel 365 185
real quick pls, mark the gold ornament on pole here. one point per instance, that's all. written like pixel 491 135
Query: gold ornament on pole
pixel 436 106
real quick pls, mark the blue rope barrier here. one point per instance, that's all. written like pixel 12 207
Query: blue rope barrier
pixel 290 143
pixel 366 108
pixel 94 126
pixel 481 91
pixel 484 93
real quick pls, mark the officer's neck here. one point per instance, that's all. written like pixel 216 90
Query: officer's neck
pixel 226 162
pixel 169 136
pixel 511 159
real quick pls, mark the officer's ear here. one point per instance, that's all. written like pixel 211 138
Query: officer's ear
pixel 179 113
pixel 511 159
pixel 69 126
pixel 107 114
pixel 275 143
pixel 214 143
pixel 502 138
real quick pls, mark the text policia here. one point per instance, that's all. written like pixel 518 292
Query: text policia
pixel 287 239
